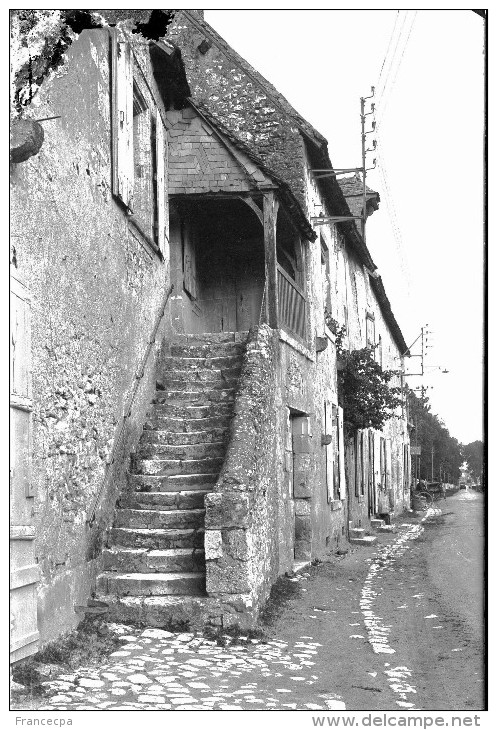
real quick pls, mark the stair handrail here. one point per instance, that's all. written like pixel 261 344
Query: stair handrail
pixel 128 408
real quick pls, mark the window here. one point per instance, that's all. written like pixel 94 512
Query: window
pixel 325 279
pixel 138 146
pixel 380 352
pixel 370 331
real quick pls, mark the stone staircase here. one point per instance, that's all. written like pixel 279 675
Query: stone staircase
pixel 155 548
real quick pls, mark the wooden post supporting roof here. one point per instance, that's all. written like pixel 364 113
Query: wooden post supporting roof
pixel 270 211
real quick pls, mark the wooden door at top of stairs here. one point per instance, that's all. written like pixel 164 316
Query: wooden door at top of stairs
pixel 232 303
pixel 23 568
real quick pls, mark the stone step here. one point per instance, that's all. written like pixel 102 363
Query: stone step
pixel 163 500
pixel 357 532
pixel 158 611
pixel 141 560
pixel 210 337
pixel 159 519
pixel 212 377
pixel 156 539
pixel 181 451
pixel 172 483
pixel 180 438
pixel 208 349
pixel 152 584
pixel 184 410
pixel 366 540
pixel 375 522
pixel 386 528
pixel 164 467
pixel 171 364
pixel 205 385
pixel 195 397
pixel 156 422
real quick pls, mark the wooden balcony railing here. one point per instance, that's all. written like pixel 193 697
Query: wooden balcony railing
pixel 291 304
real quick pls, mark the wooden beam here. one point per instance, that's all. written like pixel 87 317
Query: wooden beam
pixel 270 211
pixel 253 205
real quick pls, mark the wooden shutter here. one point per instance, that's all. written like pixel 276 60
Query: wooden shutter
pixel 357 464
pixel 388 463
pixel 382 463
pixel 371 472
pixel 336 460
pixel 329 448
pixel 341 454
pixel 122 120
pixel 24 572
pixel 365 460
pixel 161 184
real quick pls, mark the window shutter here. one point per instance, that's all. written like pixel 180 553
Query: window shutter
pixel 336 458
pixel 329 450
pixel 161 184
pixel 365 461
pixel 388 449
pixel 341 454
pixel 122 120
pixel 357 463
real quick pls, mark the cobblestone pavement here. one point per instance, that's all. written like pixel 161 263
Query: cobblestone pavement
pixel 159 670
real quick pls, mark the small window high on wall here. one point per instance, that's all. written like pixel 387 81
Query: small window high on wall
pixel 138 145
pixel 370 331
pixel 326 278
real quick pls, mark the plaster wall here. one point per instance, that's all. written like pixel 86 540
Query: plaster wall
pixel 97 288
pixel 352 297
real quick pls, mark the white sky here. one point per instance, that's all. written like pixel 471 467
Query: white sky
pixel 431 144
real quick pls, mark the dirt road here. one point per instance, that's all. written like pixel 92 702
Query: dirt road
pixel 404 629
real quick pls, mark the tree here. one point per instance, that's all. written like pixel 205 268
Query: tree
pixel 473 454
pixel 364 390
pixel 437 445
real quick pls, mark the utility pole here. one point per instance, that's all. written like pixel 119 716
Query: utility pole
pixel 365 114
pixel 432 452
pixel 321 219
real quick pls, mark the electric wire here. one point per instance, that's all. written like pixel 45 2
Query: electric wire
pixel 391 62
pixel 388 49
pixel 387 78
pixel 392 215
pixel 382 106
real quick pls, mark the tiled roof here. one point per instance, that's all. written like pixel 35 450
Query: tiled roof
pixel 353 186
pixel 271 91
pixel 292 204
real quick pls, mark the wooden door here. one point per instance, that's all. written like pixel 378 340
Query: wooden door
pixel 249 287
pixel 23 567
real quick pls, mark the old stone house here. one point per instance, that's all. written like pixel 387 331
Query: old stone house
pixel 177 440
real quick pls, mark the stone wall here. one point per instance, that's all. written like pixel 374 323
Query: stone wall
pixel 241 514
pixel 97 289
